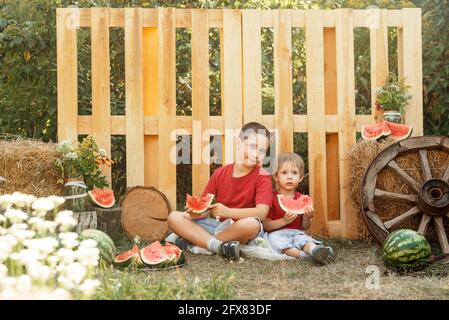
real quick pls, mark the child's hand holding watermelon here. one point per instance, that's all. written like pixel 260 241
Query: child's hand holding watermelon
pixel 198 208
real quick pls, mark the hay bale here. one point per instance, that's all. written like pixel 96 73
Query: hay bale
pixel 28 167
pixel 361 156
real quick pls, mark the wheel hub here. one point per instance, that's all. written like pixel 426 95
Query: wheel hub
pixel 433 198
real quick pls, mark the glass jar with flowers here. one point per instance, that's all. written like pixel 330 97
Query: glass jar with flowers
pixel 79 165
pixel 392 98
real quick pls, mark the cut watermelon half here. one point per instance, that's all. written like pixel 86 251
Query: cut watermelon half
pixel 103 198
pixel 155 255
pixel 400 131
pixel 199 205
pixel 296 206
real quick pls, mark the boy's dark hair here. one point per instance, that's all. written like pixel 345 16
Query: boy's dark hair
pixel 253 127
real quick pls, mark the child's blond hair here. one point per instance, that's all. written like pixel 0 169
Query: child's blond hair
pixel 288 157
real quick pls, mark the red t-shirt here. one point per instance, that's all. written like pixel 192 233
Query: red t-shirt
pixel 277 213
pixel 243 192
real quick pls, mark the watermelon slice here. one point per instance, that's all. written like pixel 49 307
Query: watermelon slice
pixel 172 249
pixel 385 128
pixel 399 131
pixel 130 258
pixel 155 255
pixel 199 205
pixel 295 206
pixel 375 131
pixel 103 198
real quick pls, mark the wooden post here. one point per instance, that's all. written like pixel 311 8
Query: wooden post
pixel 134 97
pixel 200 98
pixel 67 76
pixel 101 110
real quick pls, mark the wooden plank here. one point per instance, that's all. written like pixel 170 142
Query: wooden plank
pixel 252 66
pixel 101 110
pixel 150 105
pixel 330 94
pixel 412 67
pixel 67 75
pixel 379 55
pixel 283 80
pixel 376 220
pixel 315 117
pixel 232 80
pixel 167 102
pixel 134 97
pixel 200 99
pixel 403 217
pixel 442 236
pixel 425 164
pixel 346 115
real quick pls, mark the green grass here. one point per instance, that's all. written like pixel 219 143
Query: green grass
pixel 211 277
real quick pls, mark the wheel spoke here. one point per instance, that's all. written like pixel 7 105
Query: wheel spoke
pixel 446 175
pixel 403 217
pixel 425 164
pixel 392 196
pixel 442 237
pixel 423 224
pixel 404 176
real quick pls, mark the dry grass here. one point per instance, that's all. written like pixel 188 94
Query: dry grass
pixel 28 167
pixel 345 279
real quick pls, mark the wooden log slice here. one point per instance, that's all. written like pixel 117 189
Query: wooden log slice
pixel 144 213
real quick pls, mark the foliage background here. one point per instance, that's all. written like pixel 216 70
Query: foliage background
pixel 28 67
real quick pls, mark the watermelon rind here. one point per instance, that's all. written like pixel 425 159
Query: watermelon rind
pixel 382 128
pixel 163 260
pixel 406 249
pixel 205 207
pixel 91 196
pixel 286 209
pixel 104 243
pixel 131 258
pixel 395 127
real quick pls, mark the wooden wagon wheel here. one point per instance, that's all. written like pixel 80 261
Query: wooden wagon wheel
pixel 429 199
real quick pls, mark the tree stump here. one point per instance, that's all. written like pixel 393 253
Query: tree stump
pixel 144 213
pixel 86 220
pixel 109 222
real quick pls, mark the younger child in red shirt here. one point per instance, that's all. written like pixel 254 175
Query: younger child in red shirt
pixel 285 229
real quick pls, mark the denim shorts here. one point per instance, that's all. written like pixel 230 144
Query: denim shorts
pixel 289 238
pixel 214 226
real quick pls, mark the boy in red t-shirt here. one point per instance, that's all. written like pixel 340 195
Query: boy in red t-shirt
pixel 285 229
pixel 243 191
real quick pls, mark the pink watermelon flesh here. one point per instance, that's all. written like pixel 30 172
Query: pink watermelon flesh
pixel 154 254
pixel 172 249
pixel 295 206
pixel 199 205
pixel 103 198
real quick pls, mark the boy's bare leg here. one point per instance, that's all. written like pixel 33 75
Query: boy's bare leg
pixel 242 230
pixel 293 252
pixel 183 226
pixel 308 247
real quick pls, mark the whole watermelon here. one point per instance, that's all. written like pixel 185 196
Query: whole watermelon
pixel 406 249
pixel 104 243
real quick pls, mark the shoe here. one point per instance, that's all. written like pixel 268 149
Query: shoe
pixel 321 254
pixel 331 256
pixel 230 250
pixel 182 243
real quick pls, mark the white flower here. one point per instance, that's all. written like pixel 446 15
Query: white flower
pixel 52 261
pixel 9 240
pixel 66 256
pixel 66 282
pixel 50 226
pixel 39 272
pixel 8 283
pixel 15 216
pixel 88 243
pixel 22 200
pixel 102 152
pixel 23 283
pixel 27 256
pixel 6 201
pixel 88 256
pixel 45 245
pixel 2 219
pixel 57 201
pixel 22 235
pixel 19 226
pixel 71 156
pixel 88 287
pixel 3 271
pixel 76 272
pixel 69 243
pixel 65 222
pixel 43 204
